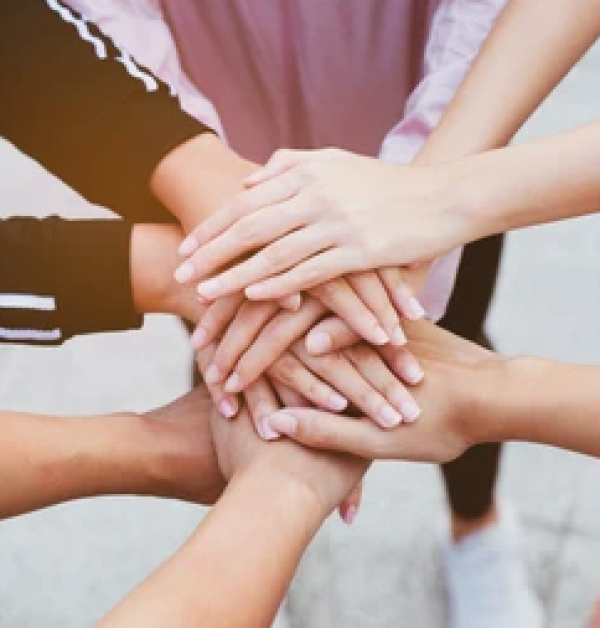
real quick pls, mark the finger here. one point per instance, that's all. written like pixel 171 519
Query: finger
pixel 279 162
pixel 227 405
pixel 215 320
pixel 401 294
pixel 404 364
pixel 292 373
pixel 338 296
pixel 343 376
pixel 240 205
pixel 329 335
pixel 349 507
pixel 323 430
pixel 376 372
pixel 293 302
pixel 273 341
pixel 320 268
pixel 262 402
pixel 250 232
pixel 276 257
pixel 371 290
pixel 240 335
pixel 288 397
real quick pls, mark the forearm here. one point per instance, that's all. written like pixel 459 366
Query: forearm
pixel 196 178
pixel 46 460
pixel 532 46
pixel 259 529
pixel 535 183
pixel 542 401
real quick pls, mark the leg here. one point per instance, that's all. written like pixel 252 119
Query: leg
pixel 470 480
pixel 485 571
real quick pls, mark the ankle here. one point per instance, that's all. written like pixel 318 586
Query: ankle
pixel 461 527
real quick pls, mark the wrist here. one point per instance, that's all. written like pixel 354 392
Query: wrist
pixel 196 177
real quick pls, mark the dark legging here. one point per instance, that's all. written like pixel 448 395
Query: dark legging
pixel 470 479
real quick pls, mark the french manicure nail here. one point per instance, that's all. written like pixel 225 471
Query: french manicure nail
pixel 414 310
pixel 337 402
pixel 318 342
pixel 199 337
pixel 227 409
pixel 410 411
pixel 212 375
pixel 398 337
pixel 283 423
pixel 350 515
pixel 413 374
pixel 188 246
pixel 184 273
pixel 210 289
pixel 233 384
pixel 389 416
pixel 379 337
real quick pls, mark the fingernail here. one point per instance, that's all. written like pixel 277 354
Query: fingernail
pixel 283 423
pixel 350 515
pixel 212 375
pixel 398 336
pixel 210 289
pixel 318 342
pixel 266 432
pixel 253 178
pixel 233 384
pixel 293 302
pixel 256 291
pixel 199 337
pixel 379 337
pixel 414 310
pixel 227 409
pixel 413 374
pixel 188 246
pixel 389 416
pixel 337 402
pixel 184 273
pixel 410 411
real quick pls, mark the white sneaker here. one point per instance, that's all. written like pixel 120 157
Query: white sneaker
pixel 487 579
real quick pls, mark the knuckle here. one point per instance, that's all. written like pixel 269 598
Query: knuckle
pixel 247 230
pixel 275 254
pixel 285 370
pixel 317 431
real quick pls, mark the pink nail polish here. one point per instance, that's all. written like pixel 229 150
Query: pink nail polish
pixel 389 417
pixel 337 402
pixel 413 374
pixel 212 375
pixel 283 423
pixel 199 337
pixel 256 291
pixel 210 289
pixel 227 409
pixel 267 432
pixel 410 411
pixel 318 342
pixel 233 384
pixel 398 336
pixel 414 310
pixel 184 273
pixel 188 246
pixel 379 337
pixel 350 515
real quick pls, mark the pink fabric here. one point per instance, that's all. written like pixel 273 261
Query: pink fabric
pixel 373 77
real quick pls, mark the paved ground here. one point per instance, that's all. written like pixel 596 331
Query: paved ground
pixel 65 566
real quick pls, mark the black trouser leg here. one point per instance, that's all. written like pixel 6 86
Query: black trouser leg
pixel 470 480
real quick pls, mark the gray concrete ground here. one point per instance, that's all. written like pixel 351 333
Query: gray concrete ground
pixel 67 565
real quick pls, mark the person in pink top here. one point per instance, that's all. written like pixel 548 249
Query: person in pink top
pixel 373 78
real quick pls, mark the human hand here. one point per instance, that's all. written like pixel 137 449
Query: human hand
pixel 319 215
pixel 460 378
pixel 357 375
pixel 187 466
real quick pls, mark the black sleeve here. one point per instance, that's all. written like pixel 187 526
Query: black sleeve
pixel 57 280
pixel 83 109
